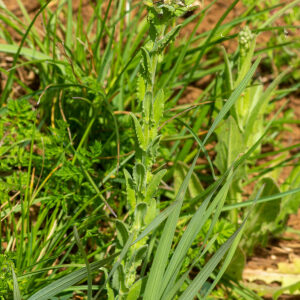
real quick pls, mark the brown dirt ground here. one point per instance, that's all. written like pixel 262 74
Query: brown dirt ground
pixel 265 259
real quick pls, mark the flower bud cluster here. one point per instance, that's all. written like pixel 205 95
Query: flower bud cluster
pixel 245 39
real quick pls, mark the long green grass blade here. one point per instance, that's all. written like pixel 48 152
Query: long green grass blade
pixel 280 13
pixel 261 200
pixel 207 270
pixel 27 52
pixel 153 287
pixel 89 275
pixel 232 99
pixel 189 235
pixel 69 25
pixel 17 294
pixel 200 145
pixel 231 251
pixel 16 56
pixel 173 288
pixel 69 280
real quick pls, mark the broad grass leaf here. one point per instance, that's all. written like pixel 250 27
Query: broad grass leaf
pixel 247 203
pixel 258 106
pixel 237 265
pixel 106 59
pixel 173 287
pixel 291 289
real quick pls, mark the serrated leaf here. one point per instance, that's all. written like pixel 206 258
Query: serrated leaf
pixel 140 213
pixel 146 63
pixel 153 185
pixel 140 253
pixel 136 289
pixel 131 199
pixel 147 106
pixel 139 176
pixel 122 233
pixel 141 88
pixel 118 278
pixel 158 106
pixel 151 212
pixel 166 40
pixel 139 132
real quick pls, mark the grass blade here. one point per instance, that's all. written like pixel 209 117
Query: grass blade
pixel 69 280
pixel 231 250
pixel 155 279
pixel 280 13
pixel 88 269
pixel 232 99
pixel 17 294
pixel 201 278
pixel 200 145
pixel 261 200
pixel 9 82
pixel 189 235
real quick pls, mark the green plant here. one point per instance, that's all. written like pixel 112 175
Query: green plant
pixel 66 155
